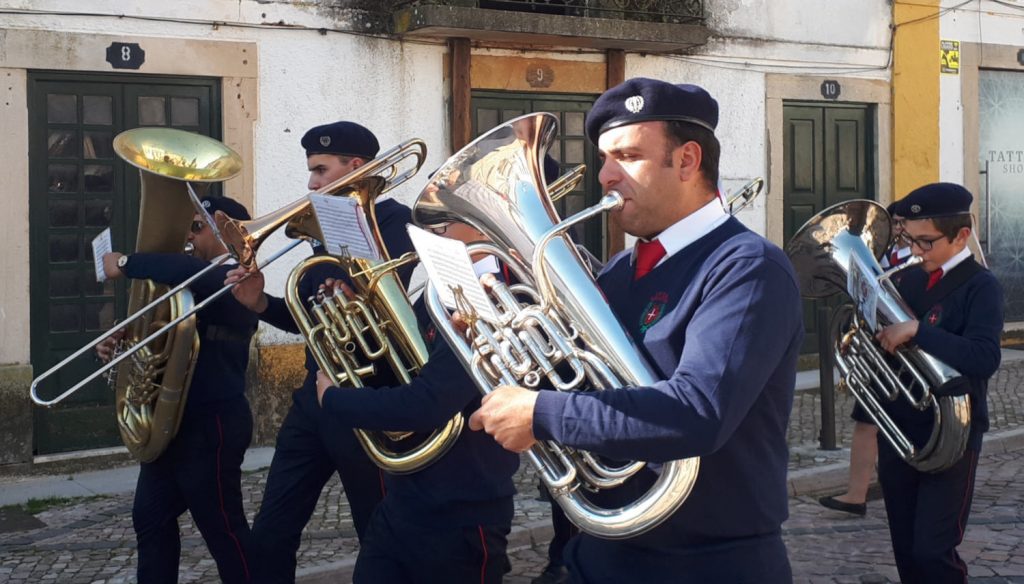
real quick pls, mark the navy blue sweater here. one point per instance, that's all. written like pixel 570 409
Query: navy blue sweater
pixel 963 330
pixel 392 217
pixel 721 323
pixel 472 483
pixel 225 327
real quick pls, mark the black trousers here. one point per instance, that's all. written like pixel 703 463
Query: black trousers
pixel 927 515
pixel 397 552
pixel 310 448
pixel 200 472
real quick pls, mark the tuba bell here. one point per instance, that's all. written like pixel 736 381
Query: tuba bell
pixel 848 237
pixel 350 338
pixel 555 327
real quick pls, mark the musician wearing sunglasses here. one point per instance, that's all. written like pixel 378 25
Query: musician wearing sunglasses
pixel 716 308
pixel 310 447
pixel 959 309
pixel 200 471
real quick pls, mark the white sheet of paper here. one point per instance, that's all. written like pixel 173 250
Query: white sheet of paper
pixel 101 245
pixel 344 227
pixel 863 289
pixel 448 268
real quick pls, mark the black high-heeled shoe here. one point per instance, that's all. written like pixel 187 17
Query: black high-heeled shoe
pixel 859 509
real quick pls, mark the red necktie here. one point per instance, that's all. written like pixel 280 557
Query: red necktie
pixel 933 278
pixel 648 254
pixel 894 259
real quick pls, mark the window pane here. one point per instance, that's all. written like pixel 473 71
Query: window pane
pixel 97 213
pixel 573 123
pixel 99 317
pixel 97 109
pixel 64 248
pixel 62 144
pixel 99 178
pixel 98 145
pixel 574 151
pixel 508 114
pixel 63 283
pixel 63 178
pixel 151 111
pixel 64 318
pixel 61 109
pixel 184 111
pixel 93 288
pixel 63 213
pixel 486 119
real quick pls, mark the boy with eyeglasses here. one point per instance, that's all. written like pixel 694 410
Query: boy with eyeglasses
pixel 959 310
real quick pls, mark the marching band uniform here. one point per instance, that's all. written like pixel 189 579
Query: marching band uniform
pixel 310 446
pixel 960 320
pixel 200 471
pixel 719 317
pixel 448 522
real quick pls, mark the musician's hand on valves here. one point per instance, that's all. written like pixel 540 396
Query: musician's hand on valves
pixel 507 414
pixel 323 383
pixel 248 290
pixel 105 349
pixel 897 334
pixel 333 286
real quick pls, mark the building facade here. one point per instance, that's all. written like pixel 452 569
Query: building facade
pixel 813 97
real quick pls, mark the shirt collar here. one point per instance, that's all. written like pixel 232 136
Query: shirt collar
pixel 955 260
pixel 690 228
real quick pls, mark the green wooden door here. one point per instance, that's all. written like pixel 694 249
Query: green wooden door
pixel 491 108
pixel 828 151
pixel 78 187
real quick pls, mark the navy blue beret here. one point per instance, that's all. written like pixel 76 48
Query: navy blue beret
pixel 935 200
pixel 648 100
pixel 343 138
pixel 228 206
pixel 891 209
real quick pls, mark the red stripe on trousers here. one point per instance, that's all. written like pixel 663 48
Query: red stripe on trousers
pixel 483 566
pixel 964 507
pixel 223 511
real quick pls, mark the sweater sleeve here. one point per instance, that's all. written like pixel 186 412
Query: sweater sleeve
pixel 748 319
pixel 975 352
pixel 173 269
pixel 440 391
pixel 278 315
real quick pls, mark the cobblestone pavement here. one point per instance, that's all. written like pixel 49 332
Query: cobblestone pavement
pixel 91 541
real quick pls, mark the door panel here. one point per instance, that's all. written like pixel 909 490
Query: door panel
pixel 828 151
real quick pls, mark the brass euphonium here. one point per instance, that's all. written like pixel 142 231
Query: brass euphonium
pixel 556 329
pixel 153 368
pixel 349 338
pixel 823 250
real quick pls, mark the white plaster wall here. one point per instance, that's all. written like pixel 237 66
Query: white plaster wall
pixel 840 23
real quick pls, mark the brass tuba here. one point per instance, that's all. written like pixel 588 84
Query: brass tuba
pixel 855 233
pixel 555 328
pixel 350 337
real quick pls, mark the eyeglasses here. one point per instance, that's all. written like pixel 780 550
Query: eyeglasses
pixel 197 226
pixel 441 228
pixel 924 243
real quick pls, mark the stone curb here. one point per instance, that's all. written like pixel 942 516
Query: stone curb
pixel 522 536
pixel 833 477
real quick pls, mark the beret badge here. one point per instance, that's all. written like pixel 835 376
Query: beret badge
pixel 915 209
pixel 206 204
pixel 635 103
pixel 325 141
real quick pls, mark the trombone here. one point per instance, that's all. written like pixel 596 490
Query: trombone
pixel 242 239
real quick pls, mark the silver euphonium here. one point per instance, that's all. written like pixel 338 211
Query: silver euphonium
pixel 855 233
pixel 555 328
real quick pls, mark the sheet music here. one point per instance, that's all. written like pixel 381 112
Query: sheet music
pixel 344 227
pixel 449 268
pixel 864 289
pixel 101 245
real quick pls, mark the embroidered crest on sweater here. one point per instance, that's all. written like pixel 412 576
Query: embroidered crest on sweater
pixel 653 312
pixel 934 316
